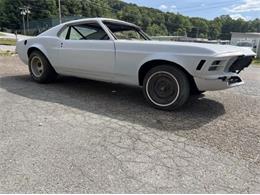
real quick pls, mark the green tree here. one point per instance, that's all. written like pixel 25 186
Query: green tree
pixel 214 29
pixel 40 9
pixel 2 14
pixel 154 21
pixel 201 27
pixel 156 30
pixel 131 14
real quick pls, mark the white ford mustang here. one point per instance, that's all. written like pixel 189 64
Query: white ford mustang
pixel 119 52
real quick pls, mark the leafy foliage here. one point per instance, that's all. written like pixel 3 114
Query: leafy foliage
pixel 153 21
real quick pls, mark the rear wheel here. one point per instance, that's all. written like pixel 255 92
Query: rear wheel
pixel 166 87
pixel 40 69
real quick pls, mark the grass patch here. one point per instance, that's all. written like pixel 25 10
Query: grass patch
pixel 1 34
pixel 6 53
pixel 4 41
pixel 256 61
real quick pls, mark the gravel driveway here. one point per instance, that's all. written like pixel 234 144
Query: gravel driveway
pixel 81 136
pixel 7 48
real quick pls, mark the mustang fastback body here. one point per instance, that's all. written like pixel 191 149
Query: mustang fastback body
pixel 119 52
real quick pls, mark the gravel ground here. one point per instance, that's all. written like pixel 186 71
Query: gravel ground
pixel 81 136
pixel 7 48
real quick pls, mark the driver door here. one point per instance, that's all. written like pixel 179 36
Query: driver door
pixel 86 51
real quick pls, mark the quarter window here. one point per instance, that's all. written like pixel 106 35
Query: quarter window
pixel 64 33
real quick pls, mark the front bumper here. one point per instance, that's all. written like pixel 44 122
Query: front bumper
pixel 227 78
pixel 218 82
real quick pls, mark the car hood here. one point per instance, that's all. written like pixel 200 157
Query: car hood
pixel 196 48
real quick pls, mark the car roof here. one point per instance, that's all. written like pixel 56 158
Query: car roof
pixel 110 20
pixel 53 31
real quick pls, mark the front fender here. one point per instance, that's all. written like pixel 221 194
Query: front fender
pixel 166 57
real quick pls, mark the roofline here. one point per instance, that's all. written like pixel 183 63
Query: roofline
pixel 101 19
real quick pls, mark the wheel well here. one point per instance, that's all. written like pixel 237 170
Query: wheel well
pixel 151 64
pixel 30 50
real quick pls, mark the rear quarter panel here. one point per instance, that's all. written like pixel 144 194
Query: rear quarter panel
pixel 49 46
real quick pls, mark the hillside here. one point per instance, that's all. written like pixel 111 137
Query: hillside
pixel 153 21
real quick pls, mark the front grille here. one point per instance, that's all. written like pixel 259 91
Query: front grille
pixel 233 80
pixel 241 63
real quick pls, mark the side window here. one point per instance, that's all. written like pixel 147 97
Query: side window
pixel 128 35
pixel 90 31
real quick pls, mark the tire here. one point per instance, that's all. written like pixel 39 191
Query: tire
pixel 197 92
pixel 166 87
pixel 40 69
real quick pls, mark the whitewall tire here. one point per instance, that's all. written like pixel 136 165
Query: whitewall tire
pixel 166 87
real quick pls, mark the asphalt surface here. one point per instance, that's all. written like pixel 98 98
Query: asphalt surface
pixel 81 136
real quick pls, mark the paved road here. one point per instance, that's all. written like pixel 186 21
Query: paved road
pixel 81 136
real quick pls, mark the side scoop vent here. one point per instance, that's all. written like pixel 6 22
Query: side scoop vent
pixel 200 65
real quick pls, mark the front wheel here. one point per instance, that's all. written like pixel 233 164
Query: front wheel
pixel 166 87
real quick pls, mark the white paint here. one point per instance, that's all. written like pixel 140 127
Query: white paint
pixel 119 61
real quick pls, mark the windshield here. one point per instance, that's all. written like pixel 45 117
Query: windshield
pixel 126 32
pixel 244 44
